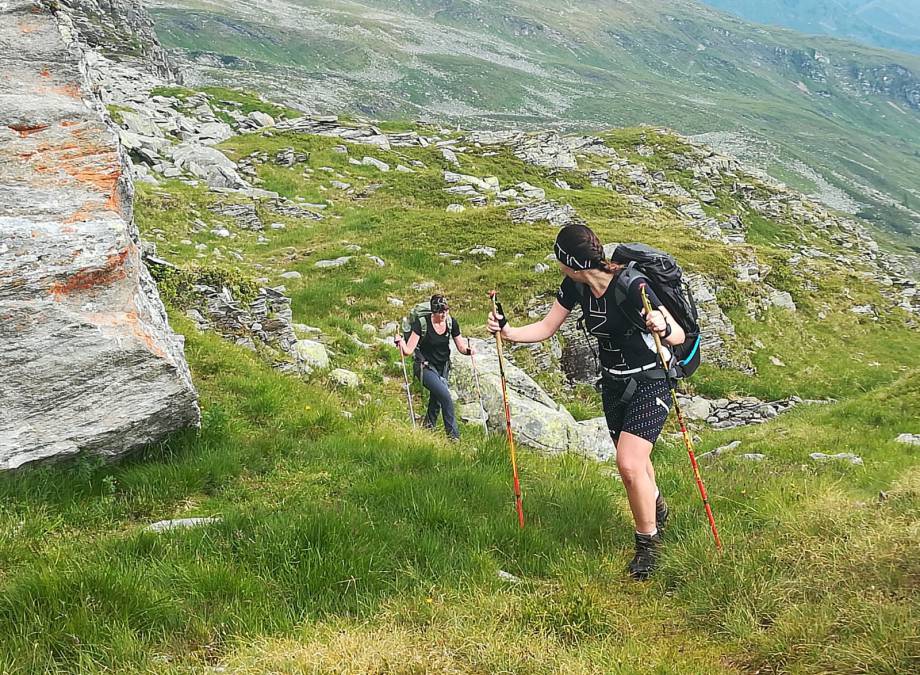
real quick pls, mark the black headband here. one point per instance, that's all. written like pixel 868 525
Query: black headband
pixel 570 260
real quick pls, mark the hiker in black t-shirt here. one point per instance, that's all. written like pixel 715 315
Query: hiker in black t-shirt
pixel 431 346
pixel 635 408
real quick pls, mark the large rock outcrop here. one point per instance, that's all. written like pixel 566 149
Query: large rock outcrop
pixel 536 420
pixel 121 29
pixel 89 362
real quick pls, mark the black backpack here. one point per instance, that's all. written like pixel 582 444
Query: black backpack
pixel 665 277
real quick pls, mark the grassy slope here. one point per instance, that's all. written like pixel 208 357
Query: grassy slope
pixel 597 64
pixel 359 545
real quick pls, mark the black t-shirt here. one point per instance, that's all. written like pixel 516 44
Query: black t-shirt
pixel 435 348
pixel 621 344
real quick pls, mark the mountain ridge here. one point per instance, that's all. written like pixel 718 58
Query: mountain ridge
pixel 851 114
pixel 883 23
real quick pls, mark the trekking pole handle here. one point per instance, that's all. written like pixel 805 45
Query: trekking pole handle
pixel 498 310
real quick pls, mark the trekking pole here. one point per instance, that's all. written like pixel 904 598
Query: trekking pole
pixel 683 426
pixel 518 502
pixel 482 408
pixel 402 358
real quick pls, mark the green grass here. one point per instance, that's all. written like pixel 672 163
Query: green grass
pixel 355 544
pixel 333 530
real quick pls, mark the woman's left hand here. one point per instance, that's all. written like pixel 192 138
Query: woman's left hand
pixel 655 322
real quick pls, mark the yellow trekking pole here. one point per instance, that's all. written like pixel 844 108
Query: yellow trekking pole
pixel 683 427
pixel 518 502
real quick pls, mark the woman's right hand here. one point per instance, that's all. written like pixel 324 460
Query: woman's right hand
pixel 496 322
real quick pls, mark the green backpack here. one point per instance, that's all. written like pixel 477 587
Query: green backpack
pixel 421 312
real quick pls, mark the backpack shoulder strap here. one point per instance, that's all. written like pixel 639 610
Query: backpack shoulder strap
pixel 620 291
pixel 624 280
pixel 423 325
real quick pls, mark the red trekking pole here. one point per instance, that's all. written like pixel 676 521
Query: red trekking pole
pixel 683 427
pixel 518 502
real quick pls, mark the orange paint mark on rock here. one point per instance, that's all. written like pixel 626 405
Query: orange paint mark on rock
pixel 45 72
pixel 129 320
pixel 113 270
pixel 27 27
pixel 84 213
pixel 69 123
pixel 26 130
pixel 69 90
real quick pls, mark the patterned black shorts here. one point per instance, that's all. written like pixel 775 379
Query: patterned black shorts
pixel 643 415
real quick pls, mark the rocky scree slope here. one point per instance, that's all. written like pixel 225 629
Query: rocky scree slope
pixel 89 360
pixel 280 176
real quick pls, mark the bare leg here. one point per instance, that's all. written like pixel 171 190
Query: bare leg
pixel 650 470
pixel 633 461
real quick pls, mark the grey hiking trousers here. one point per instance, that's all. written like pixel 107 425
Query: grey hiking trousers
pixel 439 401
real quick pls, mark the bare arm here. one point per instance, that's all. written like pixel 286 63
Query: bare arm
pixel 534 332
pixel 406 348
pixel 463 345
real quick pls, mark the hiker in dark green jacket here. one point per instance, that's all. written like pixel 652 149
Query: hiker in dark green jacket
pixel 430 344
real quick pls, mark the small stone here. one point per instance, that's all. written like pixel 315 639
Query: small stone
pixel 776 362
pixel 697 408
pixel 456 208
pixel 395 302
pixel 328 264
pixel 510 578
pixel 449 155
pixel 293 274
pixel 310 354
pixel 540 268
pixel 720 450
pixel 221 232
pixel 781 299
pixel 909 439
pixel 179 523
pixel 262 119
pixel 376 260
pixel 376 163
pixel 753 457
pixel 486 251
pixel 842 456
pixel 345 378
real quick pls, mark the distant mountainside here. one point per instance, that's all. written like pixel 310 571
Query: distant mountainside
pixel 891 24
pixel 836 120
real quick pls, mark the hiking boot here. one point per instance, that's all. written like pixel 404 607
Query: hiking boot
pixel 646 558
pixel 661 514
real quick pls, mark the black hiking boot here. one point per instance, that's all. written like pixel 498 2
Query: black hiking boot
pixel 661 514
pixel 646 558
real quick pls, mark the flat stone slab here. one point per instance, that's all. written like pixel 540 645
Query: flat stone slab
pixel 180 524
